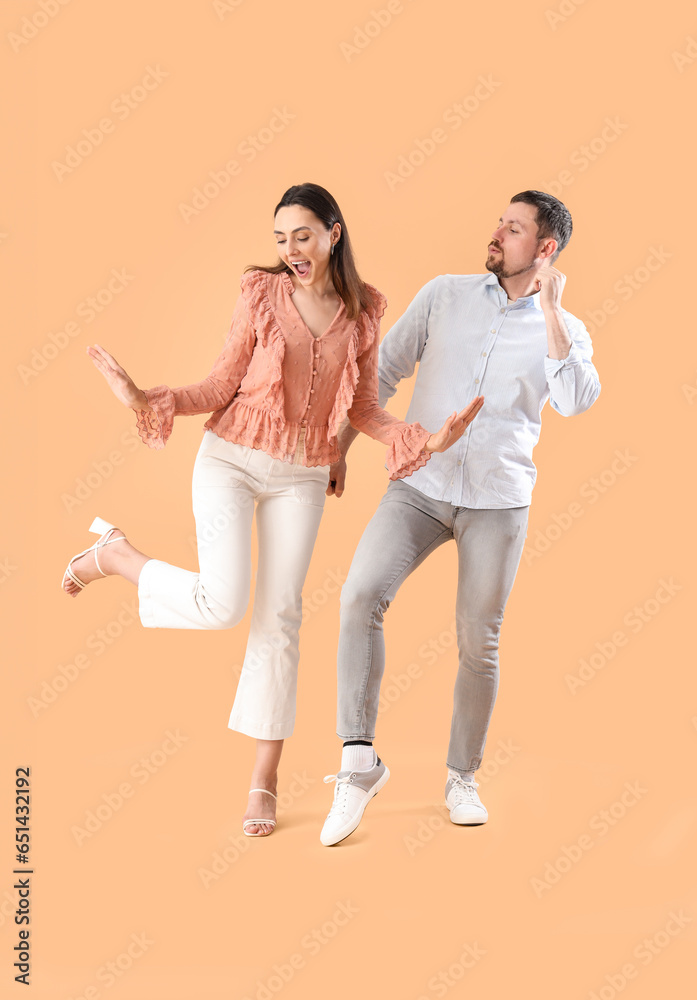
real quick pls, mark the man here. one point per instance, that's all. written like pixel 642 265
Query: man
pixel 503 335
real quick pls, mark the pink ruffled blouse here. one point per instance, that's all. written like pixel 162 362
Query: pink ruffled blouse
pixel 278 388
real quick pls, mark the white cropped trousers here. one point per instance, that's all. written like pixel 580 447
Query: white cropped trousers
pixel 228 481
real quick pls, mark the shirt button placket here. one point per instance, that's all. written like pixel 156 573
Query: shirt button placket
pixel 315 355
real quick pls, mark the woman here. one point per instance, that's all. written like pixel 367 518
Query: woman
pixel 301 356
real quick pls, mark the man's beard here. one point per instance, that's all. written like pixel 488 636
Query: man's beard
pixel 498 266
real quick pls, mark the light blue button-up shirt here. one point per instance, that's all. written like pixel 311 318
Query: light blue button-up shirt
pixel 469 341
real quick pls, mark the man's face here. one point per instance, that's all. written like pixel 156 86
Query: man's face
pixel 514 246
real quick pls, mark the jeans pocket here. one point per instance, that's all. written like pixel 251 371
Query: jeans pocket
pixel 310 485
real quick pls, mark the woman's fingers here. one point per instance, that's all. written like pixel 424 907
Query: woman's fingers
pixel 471 411
pixel 454 427
pixel 118 380
pixel 104 360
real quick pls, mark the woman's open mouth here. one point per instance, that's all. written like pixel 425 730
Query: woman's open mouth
pixel 301 267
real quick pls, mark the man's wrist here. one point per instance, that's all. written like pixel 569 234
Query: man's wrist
pixel 553 312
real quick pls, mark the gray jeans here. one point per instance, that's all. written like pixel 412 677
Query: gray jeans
pixel 407 527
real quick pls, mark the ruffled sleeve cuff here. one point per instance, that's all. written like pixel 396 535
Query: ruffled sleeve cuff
pixel 155 426
pixel 407 452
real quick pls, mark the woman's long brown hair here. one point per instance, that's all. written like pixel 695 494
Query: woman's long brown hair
pixel 349 286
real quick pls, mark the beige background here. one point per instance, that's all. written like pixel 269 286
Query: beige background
pixel 545 917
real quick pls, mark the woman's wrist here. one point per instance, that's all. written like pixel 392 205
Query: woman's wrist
pixel 141 402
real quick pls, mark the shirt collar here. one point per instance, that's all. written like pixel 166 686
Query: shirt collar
pixel 526 301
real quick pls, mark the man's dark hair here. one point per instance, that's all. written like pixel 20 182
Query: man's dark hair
pixel 553 218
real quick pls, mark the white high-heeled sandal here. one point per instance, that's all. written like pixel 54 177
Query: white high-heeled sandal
pixel 99 527
pixel 258 822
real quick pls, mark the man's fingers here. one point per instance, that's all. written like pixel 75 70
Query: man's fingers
pixel 337 480
pixel 335 488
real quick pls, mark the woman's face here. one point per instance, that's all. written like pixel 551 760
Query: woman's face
pixel 304 243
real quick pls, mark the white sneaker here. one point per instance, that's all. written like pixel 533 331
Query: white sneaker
pixel 461 798
pixel 353 792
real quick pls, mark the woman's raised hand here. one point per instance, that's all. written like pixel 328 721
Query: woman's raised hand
pixel 454 427
pixel 120 382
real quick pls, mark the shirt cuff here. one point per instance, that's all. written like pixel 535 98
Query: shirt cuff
pixel 407 452
pixel 553 365
pixel 155 426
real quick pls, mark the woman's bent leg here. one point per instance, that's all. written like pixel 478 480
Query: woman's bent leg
pixel 217 596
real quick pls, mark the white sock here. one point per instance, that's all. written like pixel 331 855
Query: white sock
pixel 357 757
pixel 469 776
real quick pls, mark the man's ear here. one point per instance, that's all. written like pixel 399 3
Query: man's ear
pixel 548 249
